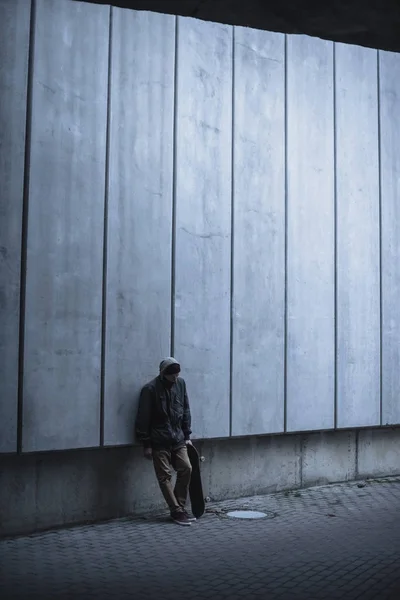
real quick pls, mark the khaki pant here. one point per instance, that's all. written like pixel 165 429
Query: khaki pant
pixel 162 461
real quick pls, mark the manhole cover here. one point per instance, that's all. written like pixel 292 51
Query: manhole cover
pixel 247 514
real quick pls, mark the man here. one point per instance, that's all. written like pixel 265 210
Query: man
pixel 163 427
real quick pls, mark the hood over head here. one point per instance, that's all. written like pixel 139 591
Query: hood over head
pixel 169 366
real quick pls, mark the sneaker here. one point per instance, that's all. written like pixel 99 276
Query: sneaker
pixel 180 518
pixel 190 517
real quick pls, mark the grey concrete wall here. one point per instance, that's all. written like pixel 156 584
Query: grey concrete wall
pixel 310 234
pixel 64 261
pixel 14 50
pixel 54 489
pixel 389 88
pixel 355 22
pixel 223 194
pixel 202 227
pixel 358 236
pixel 258 284
pixel 139 212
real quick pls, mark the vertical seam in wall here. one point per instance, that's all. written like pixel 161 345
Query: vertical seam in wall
pixel 335 321
pixel 302 445
pixel 174 175
pixel 105 235
pixel 232 236
pixel 356 455
pixel 286 240
pixel 380 239
pixel 24 230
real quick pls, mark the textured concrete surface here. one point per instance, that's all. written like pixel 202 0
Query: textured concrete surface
pixel 323 462
pixel 14 32
pixel 310 234
pixel 389 79
pixel 258 286
pixel 64 270
pixel 357 247
pixel 203 220
pixel 373 23
pixel 339 541
pixel 46 490
pixel 378 451
pixel 138 303
pixel 152 116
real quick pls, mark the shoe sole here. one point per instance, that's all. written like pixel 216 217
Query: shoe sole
pixel 180 523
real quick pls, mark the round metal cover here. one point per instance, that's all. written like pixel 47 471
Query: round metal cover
pixel 247 514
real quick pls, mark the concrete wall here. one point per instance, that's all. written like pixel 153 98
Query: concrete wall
pixel 14 43
pixel 176 186
pixel 45 490
pixel 354 22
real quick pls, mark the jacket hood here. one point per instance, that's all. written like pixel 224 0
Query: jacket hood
pixel 167 362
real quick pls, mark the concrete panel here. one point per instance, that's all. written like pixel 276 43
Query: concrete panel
pixel 310 231
pixel 65 228
pixel 328 457
pixel 14 48
pixel 47 490
pixel 139 212
pixel 203 220
pixel 358 279
pixel 56 489
pixel 378 453
pixel 53 489
pixel 249 466
pixel 259 233
pixel 390 239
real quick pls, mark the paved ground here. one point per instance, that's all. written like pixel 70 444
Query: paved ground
pixel 340 541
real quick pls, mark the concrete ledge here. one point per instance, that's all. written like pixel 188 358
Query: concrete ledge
pixel 246 466
pixel 328 457
pixel 378 452
pixel 40 491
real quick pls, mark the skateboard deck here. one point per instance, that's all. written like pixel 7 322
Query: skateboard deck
pixel 196 488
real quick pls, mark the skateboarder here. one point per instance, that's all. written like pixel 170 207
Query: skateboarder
pixel 163 427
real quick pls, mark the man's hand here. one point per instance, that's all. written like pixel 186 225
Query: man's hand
pixel 148 453
pixel 189 443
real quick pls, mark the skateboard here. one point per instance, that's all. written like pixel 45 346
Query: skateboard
pixel 197 500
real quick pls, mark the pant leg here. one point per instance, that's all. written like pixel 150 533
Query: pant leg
pixel 184 472
pixel 162 462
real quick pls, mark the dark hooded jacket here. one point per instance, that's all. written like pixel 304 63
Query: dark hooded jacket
pixel 163 418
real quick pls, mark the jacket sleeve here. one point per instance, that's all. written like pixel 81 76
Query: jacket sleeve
pixel 143 417
pixel 187 418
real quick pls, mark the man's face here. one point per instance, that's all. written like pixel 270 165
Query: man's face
pixel 172 378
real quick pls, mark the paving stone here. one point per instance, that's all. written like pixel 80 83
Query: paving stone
pixel 300 554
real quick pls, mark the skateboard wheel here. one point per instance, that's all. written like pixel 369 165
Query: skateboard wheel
pixel 207 499
pixel 202 459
